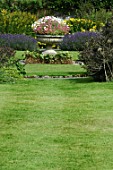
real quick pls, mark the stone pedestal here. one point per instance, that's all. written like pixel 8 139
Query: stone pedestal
pixel 49 40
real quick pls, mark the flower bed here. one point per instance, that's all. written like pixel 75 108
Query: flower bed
pixel 59 58
pixel 82 25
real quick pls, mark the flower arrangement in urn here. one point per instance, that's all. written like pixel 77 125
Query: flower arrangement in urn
pixel 50 25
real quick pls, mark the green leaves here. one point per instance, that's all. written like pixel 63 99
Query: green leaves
pixel 16 22
pixel 59 58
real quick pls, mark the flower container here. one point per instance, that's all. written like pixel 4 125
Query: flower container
pixel 50 30
pixel 49 40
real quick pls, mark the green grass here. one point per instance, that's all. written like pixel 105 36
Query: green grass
pixel 19 54
pixel 74 54
pixel 54 69
pixel 56 125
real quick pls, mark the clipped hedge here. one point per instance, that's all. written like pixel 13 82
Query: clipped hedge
pixel 77 41
pixel 16 22
pixel 18 42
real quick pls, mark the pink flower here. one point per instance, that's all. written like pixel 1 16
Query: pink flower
pixel 50 25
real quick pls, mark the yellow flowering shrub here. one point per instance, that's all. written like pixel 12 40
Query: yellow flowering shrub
pixel 16 22
pixel 82 25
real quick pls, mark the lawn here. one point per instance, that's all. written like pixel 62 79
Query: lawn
pixel 54 69
pixel 52 124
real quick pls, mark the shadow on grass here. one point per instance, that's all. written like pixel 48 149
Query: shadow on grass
pixel 77 72
pixel 82 80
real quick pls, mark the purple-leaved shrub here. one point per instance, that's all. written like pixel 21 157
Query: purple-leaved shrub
pixel 77 41
pixel 98 55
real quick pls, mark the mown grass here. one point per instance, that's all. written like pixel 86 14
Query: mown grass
pixel 54 69
pixel 19 54
pixel 56 125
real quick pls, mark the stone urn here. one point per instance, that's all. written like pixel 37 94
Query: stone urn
pixel 49 40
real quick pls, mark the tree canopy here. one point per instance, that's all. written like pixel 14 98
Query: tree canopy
pixel 66 5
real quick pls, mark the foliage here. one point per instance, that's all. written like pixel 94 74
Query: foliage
pixel 8 71
pixel 107 4
pixel 97 16
pixel 6 53
pixel 72 4
pixel 98 56
pixel 59 58
pixel 77 41
pixel 84 8
pixel 50 25
pixel 91 9
pixel 9 75
pixel 16 22
pixel 18 42
pixel 20 65
pixel 58 7
pixel 34 5
pixel 21 5
pixel 77 24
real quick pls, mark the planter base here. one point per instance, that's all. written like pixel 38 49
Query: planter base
pixel 51 52
pixel 49 40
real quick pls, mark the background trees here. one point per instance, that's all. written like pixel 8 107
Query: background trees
pixel 67 6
